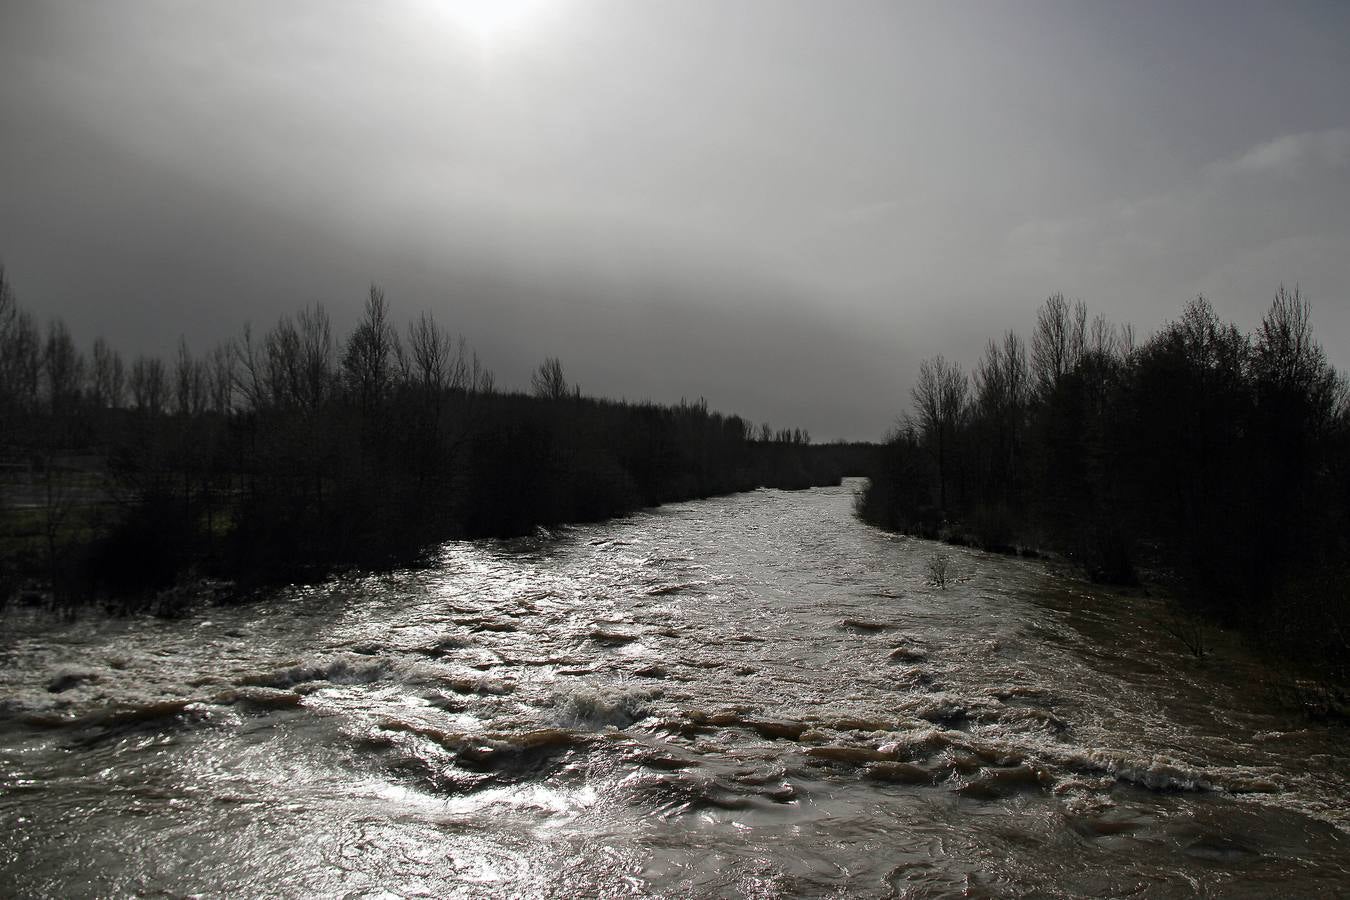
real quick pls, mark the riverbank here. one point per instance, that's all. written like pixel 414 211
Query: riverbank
pixel 1216 460
pixel 162 556
pixel 290 454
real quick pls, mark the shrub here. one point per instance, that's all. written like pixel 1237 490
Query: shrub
pixel 939 570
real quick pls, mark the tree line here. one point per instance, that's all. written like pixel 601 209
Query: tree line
pixel 1213 457
pixel 285 454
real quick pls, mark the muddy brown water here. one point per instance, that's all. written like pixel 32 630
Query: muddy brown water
pixel 750 696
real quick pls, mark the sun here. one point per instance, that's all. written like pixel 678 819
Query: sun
pixel 489 22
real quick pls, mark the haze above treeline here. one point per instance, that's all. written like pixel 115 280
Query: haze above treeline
pixel 780 206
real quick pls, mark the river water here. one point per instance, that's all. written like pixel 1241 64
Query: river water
pixel 750 696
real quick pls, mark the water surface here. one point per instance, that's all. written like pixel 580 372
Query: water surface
pixel 750 696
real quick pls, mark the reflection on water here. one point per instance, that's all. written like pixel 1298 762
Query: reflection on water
pixel 747 696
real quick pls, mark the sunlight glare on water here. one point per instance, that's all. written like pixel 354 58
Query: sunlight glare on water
pixel 753 695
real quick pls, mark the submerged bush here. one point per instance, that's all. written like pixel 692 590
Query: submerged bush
pixel 939 568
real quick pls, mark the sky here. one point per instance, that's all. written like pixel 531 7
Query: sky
pixel 781 206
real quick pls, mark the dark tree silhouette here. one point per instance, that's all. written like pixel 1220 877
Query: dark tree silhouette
pixel 285 456
pixel 1217 457
pixel 368 359
pixel 939 397
pixel 548 381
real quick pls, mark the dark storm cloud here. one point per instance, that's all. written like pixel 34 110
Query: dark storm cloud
pixel 780 206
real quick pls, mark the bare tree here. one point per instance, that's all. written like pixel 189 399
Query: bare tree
pixel 1286 357
pixel 1058 341
pixel 370 353
pixel 282 367
pixel 548 381
pixel 250 380
pixel 1002 390
pixel 64 367
pixel 316 355
pixel 1104 338
pixel 20 353
pixel 9 315
pixel 26 360
pixel 220 377
pixel 1002 381
pixel 148 385
pixel 297 360
pixel 939 398
pixel 433 361
pixel 190 383
pixel 8 305
pixel 939 568
pixel 108 379
pixel 481 379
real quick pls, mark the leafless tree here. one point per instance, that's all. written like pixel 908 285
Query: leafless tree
pixel 316 355
pixel 1002 392
pixel 296 360
pixel 1058 341
pixel 1286 357
pixel 371 350
pixel 1190 632
pixel 28 359
pixel 434 362
pixel 548 381
pixel 20 353
pixel 1104 337
pixel 220 377
pixel 481 379
pixel 190 383
pixel 250 371
pixel 1002 382
pixel 939 568
pixel 108 378
pixel 281 360
pixel 148 385
pixel 9 314
pixel 64 368
pixel 939 398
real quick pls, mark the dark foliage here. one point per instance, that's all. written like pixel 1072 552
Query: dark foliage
pixel 284 457
pixel 1216 458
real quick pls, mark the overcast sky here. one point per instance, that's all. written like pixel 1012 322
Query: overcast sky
pixel 781 206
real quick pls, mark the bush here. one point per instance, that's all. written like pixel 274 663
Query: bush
pixel 993 528
pixel 144 550
pixel 939 569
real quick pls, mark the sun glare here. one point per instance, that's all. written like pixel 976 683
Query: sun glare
pixel 488 22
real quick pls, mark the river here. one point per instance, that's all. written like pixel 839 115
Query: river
pixel 748 696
